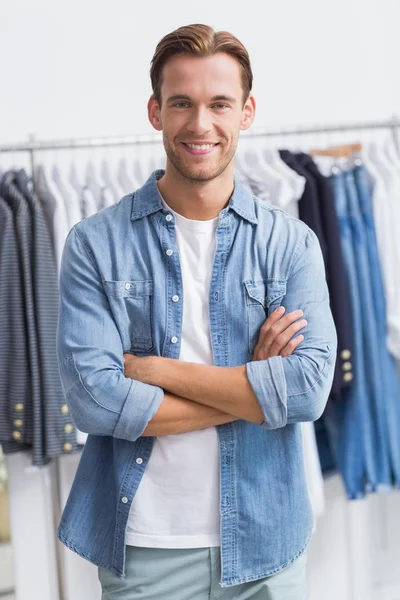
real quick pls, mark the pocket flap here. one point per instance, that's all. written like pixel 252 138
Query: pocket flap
pixel 256 291
pixel 265 292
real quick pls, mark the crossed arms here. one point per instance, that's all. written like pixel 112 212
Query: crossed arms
pixel 282 384
pixel 199 396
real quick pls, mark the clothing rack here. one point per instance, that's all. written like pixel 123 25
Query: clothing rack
pixel 33 146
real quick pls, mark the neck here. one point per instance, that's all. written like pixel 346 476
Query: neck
pixel 200 201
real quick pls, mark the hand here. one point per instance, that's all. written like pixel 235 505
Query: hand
pixel 276 334
pixel 139 367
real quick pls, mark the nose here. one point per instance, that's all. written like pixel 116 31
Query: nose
pixel 199 122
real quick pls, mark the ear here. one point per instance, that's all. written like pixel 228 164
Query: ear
pixel 248 113
pixel 154 113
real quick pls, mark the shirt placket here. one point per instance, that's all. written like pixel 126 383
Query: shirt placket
pixel 219 343
pixel 174 311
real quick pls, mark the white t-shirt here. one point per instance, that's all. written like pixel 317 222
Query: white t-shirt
pixel 177 504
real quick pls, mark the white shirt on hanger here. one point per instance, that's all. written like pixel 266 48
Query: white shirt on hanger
pixel 288 203
pixel 386 207
pixel 59 219
pixel 69 195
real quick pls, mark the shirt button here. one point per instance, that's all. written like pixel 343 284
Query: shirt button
pixel 168 218
pixel 128 286
pixel 139 461
pixel 345 354
pixel 68 428
pixel 16 435
pixel 348 376
pixel 64 409
pixel 174 340
pixel 169 252
pixel 175 298
pixel 19 407
pixel 347 366
pixel 67 447
pixel 124 499
pixel 18 422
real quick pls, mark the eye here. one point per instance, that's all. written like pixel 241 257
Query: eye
pixel 220 106
pixel 181 104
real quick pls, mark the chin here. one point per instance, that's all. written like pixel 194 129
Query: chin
pixel 201 175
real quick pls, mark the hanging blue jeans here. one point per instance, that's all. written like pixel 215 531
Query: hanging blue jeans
pixel 351 429
pixel 371 347
pixel 390 394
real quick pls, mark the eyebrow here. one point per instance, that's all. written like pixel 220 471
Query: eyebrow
pixel 176 97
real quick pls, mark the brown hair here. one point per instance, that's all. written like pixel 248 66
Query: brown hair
pixel 199 40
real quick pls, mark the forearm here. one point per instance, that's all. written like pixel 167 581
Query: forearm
pixel 224 388
pixel 179 415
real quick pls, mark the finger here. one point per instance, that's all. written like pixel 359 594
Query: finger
pixel 291 346
pixel 273 318
pixel 284 338
pixel 270 332
pixel 274 326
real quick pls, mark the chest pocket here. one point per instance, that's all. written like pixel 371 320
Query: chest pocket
pixel 132 306
pixel 262 297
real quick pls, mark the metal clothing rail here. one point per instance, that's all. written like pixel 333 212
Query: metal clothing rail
pixel 34 146
pixel 128 140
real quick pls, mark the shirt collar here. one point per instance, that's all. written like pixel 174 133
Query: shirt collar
pixel 147 199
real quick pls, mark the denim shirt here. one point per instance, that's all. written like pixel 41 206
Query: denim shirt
pixel 120 269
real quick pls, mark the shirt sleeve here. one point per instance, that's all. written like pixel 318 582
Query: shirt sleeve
pixel 102 401
pixel 296 388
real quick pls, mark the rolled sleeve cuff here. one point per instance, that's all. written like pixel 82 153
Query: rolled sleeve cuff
pixel 141 404
pixel 267 379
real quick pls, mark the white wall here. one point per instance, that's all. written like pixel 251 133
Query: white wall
pixel 81 67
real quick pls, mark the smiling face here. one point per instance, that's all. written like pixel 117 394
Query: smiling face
pixel 201 114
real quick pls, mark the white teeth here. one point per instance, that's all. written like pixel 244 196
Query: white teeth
pixel 202 147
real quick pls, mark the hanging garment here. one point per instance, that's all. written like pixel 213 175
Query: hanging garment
pixel 53 206
pixel 39 418
pixel 351 427
pixel 59 433
pixel 390 394
pixel 15 390
pixel 109 182
pixel 387 218
pixel 336 278
pixel 308 203
pixel 296 182
pixel 69 195
pixel 257 169
pixel 371 349
pixel 87 201
pixel 30 413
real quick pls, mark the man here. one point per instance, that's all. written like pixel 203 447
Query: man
pixel 178 359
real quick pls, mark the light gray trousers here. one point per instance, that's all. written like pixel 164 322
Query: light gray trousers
pixel 194 574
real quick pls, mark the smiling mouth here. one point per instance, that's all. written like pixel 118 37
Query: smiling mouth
pixel 199 149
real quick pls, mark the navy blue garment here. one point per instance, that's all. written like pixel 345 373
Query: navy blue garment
pixel 309 210
pixel 336 277
pixel 390 395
